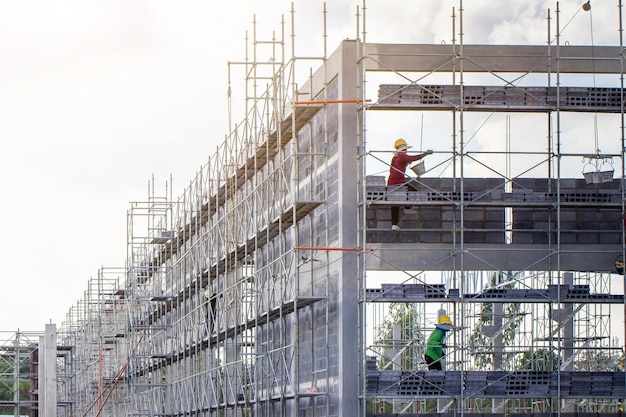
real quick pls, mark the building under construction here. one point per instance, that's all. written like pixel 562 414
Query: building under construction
pixel 274 285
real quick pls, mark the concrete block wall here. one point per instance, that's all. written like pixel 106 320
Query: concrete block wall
pixel 589 213
pixel 432 224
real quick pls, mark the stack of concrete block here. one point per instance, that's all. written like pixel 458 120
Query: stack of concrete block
pixel 372 375
pixel 495 384
pixel 407 291
pixel 393 291
pixel 388 383
pixel 411 383
pixel 583 218
pixel 376 188
pixel 475 383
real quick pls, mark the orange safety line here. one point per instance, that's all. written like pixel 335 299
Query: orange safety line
pixel 111 386
pixel 332 101
pixel 329 248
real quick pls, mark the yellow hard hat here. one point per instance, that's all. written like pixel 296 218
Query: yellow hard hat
pixel 400 144
pixel 445 320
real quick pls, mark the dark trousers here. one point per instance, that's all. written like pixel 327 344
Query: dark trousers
pixel 395 215
pixel 395 210
pixel 433 365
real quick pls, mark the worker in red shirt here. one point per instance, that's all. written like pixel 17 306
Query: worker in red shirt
pixel 399 163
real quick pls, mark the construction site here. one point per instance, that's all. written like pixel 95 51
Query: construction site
pixel 275 284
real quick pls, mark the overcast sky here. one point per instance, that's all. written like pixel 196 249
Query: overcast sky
pixel 96 97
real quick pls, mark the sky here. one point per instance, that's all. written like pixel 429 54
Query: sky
pixel 99 99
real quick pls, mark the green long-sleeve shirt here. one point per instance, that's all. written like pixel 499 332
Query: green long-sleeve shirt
pixel 434 348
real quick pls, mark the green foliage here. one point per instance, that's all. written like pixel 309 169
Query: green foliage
pixel 7 381
pixel 411 339
pixel 411 335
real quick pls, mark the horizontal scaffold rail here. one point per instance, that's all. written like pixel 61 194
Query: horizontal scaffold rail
pixel 275 140
pixel 402 293
pixel 498 98
pixel 251 400
pixel 262 319
pixel 265 152
pixel 158 361
pixel 493 384
pixel 525 192
pixel 291 215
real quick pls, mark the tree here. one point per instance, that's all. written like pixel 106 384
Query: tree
pixel 411 338
pixel 7 381
pixel 410 342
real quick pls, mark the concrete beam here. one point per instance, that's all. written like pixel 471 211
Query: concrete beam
pixel 493 58
pixel 513 257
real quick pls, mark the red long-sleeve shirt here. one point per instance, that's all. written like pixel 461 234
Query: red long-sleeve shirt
pixel 399 162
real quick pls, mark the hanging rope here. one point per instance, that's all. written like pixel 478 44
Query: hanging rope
pixel 587 7
pixel 422 133
pixel 597 169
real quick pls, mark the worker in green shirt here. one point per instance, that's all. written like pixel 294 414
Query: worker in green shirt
pixel 436 344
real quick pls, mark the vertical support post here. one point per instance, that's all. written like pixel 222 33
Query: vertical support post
pixel 41 371
pixel 442 312
pixel 568 326
pixel 567 313
pixel 347 301
pixel 443 404
pixel 16 376
pixel 397 335
pixel 48 372
pixel 498 347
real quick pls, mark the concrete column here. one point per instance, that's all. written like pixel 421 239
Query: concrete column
pixel 48 372
pixel 567 321
pixel 498 347
pixel 16 379
pixel 348 383
pixel 568 326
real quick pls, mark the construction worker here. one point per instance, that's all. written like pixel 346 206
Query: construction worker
pixel 209 305
pixel 436 344
pixel 399 163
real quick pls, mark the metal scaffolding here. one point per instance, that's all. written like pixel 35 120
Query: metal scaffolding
pixel 519 253
pixel 94 336
pixel 18 370
pixel 273 285
pixel 226 315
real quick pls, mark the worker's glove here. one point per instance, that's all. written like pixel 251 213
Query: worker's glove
pixel 428 152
